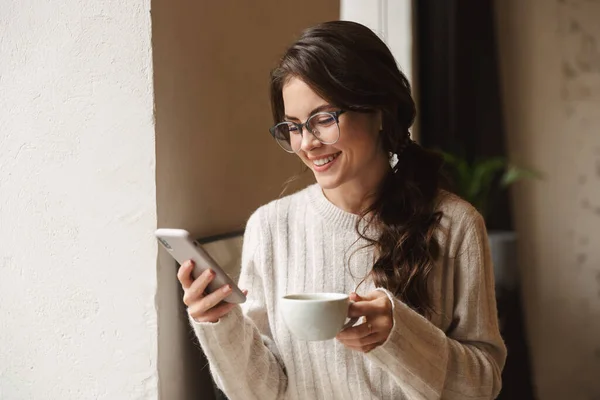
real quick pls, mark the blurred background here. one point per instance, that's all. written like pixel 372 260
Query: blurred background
pixel 117 117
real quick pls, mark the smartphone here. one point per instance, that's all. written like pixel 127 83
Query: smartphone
pixel 182 247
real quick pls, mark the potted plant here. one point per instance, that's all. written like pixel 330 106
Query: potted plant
pixel 478 182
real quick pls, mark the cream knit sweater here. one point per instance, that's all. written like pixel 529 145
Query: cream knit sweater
pixel 303 243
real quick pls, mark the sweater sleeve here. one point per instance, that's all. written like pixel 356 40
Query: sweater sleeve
pixel 466 362
pixel 242 355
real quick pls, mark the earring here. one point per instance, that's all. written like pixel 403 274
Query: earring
pixel 393 159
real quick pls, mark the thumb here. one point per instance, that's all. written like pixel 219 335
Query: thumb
pixel 355 297
pixel 375 294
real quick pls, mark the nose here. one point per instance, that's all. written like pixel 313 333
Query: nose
pixel 309 140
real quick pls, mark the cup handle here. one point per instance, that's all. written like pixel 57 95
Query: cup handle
pixel 350 323
pixel 352 320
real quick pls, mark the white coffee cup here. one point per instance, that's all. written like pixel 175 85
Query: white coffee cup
pixel 316 316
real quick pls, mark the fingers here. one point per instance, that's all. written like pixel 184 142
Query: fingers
pixel 363 341
pixel 184 274
pixel 212 315
pixel 375 294
pixel 199 312
pixel 377 309
pixel 362 308
pixel 208 309
pixel 358 331
pixel 211 300
pixel 370 308
pixel 198 287
pixel 355 297
pixel 361 337
pixel 203 308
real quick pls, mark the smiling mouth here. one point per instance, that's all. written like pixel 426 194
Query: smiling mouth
pixel 326 160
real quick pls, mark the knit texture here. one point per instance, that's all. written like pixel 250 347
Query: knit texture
pixel 304 243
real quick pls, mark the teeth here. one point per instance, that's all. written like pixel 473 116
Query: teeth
pixel 324 161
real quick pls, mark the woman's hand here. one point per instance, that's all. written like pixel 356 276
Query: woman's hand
pixel 203 307
pixel 377 310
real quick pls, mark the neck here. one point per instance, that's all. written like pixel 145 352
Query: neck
pixel 357 195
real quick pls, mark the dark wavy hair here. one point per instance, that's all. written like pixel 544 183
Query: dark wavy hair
pixel 348 65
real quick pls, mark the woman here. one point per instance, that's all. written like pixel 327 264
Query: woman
pixel 377 223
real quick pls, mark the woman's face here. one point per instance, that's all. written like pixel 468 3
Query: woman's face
pixel 355 159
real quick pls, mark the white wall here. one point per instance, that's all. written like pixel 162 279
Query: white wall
pixel 550 55
pixel 77 201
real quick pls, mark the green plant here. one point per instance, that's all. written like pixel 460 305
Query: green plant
pixel 478 181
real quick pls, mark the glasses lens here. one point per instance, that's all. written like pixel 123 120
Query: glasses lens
pixel 325 127
pixel 282 133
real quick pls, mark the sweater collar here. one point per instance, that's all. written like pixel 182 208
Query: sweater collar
pixel 332 214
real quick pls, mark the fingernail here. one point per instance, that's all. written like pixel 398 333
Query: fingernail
pixel 210 272
pixel 227 288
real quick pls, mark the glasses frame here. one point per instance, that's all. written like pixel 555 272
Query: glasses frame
pixel 300 126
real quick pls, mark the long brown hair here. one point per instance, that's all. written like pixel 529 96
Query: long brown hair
pixel 347 64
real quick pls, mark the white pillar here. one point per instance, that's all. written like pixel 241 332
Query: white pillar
pixel 391 20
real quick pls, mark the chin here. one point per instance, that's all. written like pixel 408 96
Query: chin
pixel 330 179
pixel 328 182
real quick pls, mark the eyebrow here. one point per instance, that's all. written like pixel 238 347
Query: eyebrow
pixel 314 111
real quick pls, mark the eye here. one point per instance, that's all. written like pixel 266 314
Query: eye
pixel 323 120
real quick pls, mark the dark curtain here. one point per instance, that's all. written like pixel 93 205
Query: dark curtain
pixel 460 110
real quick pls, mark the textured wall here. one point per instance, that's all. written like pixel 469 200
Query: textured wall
pixel 77 201
pixel 550 53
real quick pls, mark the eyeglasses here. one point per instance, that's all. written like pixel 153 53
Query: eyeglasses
pixel 323 125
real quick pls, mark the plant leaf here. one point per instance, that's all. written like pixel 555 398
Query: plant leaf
pixel 477 182
pixel 484 173
pixel 514 174
pixel 461 173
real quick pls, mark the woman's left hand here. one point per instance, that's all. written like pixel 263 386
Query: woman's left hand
pixel 377 310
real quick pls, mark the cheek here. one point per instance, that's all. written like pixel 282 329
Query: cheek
pixel 362 134
pixel 360 141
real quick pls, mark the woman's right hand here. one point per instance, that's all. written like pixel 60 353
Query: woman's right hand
pixel 203 307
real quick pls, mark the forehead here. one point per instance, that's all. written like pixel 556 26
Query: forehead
pixel 299 99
